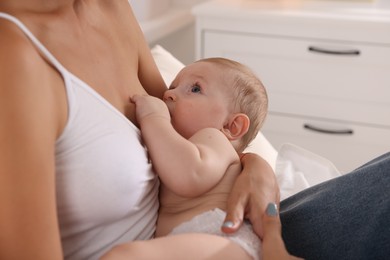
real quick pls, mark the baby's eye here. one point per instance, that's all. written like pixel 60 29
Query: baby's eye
pixel 195 89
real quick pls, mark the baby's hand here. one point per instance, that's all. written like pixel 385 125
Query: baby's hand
pixel 149 106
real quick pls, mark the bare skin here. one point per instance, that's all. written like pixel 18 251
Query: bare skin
pixel 106 50
pixel 27 139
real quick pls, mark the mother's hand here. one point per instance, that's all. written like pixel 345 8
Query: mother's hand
pixel 253 189
pixel 272 245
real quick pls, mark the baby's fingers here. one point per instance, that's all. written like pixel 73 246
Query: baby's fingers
pixel 136 97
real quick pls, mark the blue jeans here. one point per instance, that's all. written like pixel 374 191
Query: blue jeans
pixel 344 218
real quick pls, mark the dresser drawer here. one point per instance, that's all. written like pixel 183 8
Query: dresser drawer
pixel 308 77
pixel 346 145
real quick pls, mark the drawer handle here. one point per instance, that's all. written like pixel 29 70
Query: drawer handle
pixel 334 52
pixel 327 131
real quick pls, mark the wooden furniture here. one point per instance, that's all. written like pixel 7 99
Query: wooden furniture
pixel 326 66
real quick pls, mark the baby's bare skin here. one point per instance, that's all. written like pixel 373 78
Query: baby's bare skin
pixel 175 209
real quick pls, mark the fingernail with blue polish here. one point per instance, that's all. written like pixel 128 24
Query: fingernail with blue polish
pixel 272 210
pixel 228 224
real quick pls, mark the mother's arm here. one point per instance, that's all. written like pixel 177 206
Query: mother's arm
pixel 32 114
pixel 254 188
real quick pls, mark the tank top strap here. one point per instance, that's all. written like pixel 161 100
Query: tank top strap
pixel 45 52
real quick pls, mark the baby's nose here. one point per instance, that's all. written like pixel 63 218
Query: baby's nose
pixel 169 95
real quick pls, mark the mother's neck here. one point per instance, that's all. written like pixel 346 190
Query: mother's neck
pixel 42 6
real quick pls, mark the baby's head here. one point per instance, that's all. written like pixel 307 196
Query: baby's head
pixel 248 94
pixel 218 93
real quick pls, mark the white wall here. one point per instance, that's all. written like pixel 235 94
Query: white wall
pixel 181 43
pixel 186 2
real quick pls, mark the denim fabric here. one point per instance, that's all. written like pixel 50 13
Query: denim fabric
pixel 344 218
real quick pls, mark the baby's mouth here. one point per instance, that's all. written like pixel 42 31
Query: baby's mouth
pixel 170 114
pixel 170 109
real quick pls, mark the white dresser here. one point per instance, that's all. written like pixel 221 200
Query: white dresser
pixel 326 66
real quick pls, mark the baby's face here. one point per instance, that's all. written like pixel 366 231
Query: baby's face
pixel 198 98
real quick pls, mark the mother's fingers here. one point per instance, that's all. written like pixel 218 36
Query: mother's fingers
pixel 273 245
pixel 238 200
pixel 252 190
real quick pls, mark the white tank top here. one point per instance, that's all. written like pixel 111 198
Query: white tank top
pixel 106 189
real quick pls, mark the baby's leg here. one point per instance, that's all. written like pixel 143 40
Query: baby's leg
pixel 183 246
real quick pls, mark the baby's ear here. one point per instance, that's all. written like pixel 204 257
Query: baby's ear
pixel 236 127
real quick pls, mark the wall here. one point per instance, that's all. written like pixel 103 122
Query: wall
pixel 181 43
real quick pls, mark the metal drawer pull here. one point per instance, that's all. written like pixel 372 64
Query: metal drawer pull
pixel 327 131
pixel 334 52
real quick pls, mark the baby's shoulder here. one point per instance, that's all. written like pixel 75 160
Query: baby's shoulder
pixel 214 139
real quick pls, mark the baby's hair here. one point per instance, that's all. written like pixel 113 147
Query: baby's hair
pixel 249 93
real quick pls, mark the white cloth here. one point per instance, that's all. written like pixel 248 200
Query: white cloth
pixel 297 169
pixel 209 222
pixel 106 189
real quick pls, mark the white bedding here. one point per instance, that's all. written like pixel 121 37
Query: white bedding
pixel 295 168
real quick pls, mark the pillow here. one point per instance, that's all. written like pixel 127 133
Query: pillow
pixel 169 66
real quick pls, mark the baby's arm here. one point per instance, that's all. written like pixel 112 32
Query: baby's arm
pixel 187 167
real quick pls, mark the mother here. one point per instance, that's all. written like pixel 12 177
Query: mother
pixel 75 179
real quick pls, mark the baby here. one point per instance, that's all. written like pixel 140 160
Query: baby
pixel 213 109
